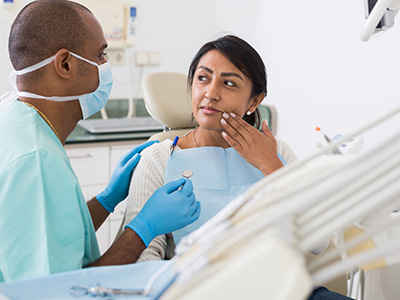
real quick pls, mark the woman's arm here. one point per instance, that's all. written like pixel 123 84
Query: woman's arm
pixel 147 178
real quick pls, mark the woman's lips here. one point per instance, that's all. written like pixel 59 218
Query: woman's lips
pixel 208 110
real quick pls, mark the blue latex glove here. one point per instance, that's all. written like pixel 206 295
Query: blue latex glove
pixel 167 210
pixel 118 187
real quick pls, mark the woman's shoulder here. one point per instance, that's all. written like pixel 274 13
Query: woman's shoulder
pixel 157 150
pixel 153 159
pixel 284 149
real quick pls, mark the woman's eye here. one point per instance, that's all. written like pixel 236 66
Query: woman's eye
pixel 229 83
pixel 202 78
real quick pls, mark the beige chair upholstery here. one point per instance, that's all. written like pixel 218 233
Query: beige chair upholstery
pixel 167 99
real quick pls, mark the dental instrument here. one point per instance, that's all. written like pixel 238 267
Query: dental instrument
pixel 328 140
pixel 173 145
pixel 323 134
pixel 187 174
pixel 102 292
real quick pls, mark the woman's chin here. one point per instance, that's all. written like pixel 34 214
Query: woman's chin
pixel 212 127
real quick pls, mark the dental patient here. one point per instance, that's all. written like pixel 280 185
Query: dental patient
pixel 226 152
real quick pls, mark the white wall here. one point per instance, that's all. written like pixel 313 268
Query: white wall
pixel 175 28
pixel 320 72
pixel 7 16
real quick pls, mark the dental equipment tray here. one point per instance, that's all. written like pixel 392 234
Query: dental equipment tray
pixel 114 125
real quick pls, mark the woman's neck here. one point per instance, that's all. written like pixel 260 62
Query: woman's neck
pixel 201 137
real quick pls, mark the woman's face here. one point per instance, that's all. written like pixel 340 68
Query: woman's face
pixel 219 86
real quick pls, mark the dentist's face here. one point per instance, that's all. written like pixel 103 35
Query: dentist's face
pixel 93 50
pixel 218 86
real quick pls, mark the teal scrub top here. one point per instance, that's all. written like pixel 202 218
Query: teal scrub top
pixel 45 225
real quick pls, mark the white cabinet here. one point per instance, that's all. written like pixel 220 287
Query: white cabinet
pixel 94 164
pixel 91 164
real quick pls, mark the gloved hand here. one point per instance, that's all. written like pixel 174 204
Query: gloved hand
pixel 167 210
pixel 118 187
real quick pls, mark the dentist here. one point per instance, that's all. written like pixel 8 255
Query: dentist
pixel 57 49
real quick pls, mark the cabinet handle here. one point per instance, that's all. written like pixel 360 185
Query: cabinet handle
pixel 88 155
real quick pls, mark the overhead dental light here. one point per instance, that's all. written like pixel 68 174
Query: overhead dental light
pixel 380 15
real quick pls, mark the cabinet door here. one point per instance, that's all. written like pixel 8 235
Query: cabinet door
pixel 91 164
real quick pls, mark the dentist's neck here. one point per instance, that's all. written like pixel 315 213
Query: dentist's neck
pixel 63 116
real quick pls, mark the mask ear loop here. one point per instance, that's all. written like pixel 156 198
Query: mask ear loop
pixel 99 67
pixel 35 67
pixel 9 97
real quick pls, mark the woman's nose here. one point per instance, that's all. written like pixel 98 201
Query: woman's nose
pixel 213 91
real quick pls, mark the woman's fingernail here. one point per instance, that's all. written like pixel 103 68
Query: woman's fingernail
pixel 223 121
pixel 266 123
pixel 225 115
pixel 233 115
pixel 224 134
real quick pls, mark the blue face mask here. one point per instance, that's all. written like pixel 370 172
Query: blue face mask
pixel 90 103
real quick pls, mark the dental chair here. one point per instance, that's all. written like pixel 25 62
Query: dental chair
pixel 168 100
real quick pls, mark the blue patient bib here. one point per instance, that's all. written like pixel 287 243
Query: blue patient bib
pixel 219 175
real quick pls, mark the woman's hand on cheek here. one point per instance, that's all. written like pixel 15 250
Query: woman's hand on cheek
pixel 258 149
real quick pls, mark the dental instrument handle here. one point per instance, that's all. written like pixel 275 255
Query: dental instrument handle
pixel 328 140
pixel 173 145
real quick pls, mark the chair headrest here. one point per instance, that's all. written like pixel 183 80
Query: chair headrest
pixel 167 99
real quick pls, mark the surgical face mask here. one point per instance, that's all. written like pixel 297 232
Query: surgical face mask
pixel 90 103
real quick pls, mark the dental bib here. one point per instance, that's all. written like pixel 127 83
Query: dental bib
pixel 219 175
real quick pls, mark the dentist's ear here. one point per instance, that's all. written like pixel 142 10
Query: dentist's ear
pixel 63 63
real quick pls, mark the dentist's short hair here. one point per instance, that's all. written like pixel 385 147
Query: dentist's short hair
pixel 42 28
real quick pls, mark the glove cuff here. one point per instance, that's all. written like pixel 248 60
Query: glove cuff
pixel 140 226
pixel 101 198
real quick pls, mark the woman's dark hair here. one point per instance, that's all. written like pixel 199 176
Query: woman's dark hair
pixel 245 58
